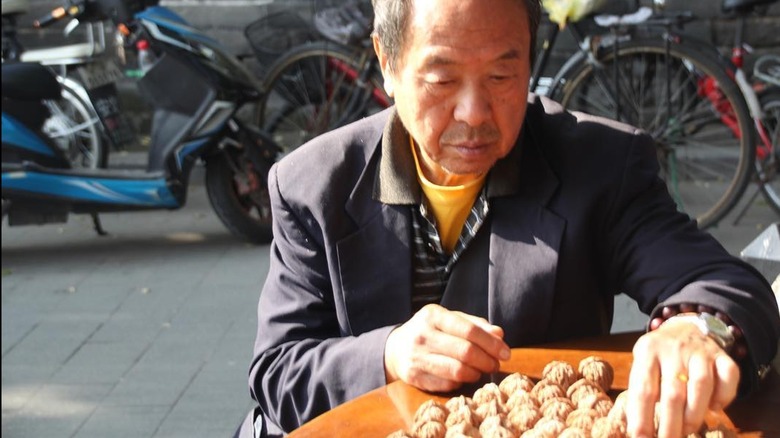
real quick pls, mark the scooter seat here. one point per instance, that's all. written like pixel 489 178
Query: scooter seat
pixel 29 81
pixel 11 7
pixel 57 55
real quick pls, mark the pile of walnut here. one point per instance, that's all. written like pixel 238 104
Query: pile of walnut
pixel 565 403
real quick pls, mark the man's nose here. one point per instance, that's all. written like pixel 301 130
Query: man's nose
pixel 473 105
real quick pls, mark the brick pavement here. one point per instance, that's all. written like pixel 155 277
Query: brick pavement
pixel 148 332
pixel 145 333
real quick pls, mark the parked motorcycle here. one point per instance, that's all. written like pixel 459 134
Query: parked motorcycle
pixel 195 88
pixel 85 118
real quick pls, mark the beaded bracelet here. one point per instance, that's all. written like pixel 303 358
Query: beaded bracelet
pixel 738 351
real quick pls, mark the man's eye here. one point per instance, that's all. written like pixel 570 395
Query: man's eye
pixel 437 80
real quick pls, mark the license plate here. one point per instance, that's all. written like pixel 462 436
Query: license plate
pixel 97 74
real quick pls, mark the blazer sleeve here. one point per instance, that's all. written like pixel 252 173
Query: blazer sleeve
pixel 660 257
pixel 305 362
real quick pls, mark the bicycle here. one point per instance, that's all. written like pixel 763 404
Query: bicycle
pixel 762 95
pixel 769 99
pixel 681 90
pixel 325 78
pixel 706 151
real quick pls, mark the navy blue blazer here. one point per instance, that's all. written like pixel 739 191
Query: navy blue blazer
pixel 589 219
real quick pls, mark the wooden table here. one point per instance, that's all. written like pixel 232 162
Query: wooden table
pixel 392 407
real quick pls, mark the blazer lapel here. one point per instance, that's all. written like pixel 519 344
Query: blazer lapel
pixel 375 262
pixel 375 268
pixel 524 247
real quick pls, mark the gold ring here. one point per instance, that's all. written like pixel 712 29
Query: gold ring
pixel 682 377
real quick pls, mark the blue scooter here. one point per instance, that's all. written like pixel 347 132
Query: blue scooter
pixel 195 87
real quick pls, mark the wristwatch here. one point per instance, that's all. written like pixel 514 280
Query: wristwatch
pixel 711 326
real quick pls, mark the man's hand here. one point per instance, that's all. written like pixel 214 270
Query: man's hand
pixel 439 350
pixel 686 372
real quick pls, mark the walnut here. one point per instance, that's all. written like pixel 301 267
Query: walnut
pixel 550 425
pixel 522 418
pixel 515 382
pixel 400 434
pixel 431 410
pixel 429 429
pixel 462 430
pixel 460 400
pixel 534 433
pixel 600 402
pixel 581 388
pixel 521 398
pixel 493 407
pixel 582 419
pixel 574 432
pixel 462 415
pixel 545 390
pixel 720 432
pixel 597 370
pixel 557 407
pixel 488 392
pixel 498 432
pixel 604 427
pixel 494 425
pixel 561 373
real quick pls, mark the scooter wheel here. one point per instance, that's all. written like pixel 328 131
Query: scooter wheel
pixel 239 197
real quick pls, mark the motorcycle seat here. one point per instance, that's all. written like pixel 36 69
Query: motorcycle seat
pixel 29 81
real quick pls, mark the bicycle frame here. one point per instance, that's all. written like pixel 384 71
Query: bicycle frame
pixel 362 80
pixel 765 147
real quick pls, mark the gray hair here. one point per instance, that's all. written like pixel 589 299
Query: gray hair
pixel 391 18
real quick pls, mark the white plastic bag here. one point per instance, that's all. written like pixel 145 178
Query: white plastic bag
pixel 569 11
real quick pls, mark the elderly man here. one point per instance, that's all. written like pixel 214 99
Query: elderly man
pixel 423 242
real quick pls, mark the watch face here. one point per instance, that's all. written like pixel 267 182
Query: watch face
pixel 718 328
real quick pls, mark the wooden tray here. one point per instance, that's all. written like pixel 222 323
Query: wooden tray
pixel 392 407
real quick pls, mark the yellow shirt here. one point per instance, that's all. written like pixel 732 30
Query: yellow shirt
pixel 451 205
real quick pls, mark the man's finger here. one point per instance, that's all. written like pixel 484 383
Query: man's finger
pixel 437 372
pixel 485 324
pixel 674 394
pixel 726 382
pixel 701 382
pixel 456 325
pixel 464 352
pixel 643 383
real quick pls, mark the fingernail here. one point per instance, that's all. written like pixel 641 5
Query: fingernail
pixel 504 354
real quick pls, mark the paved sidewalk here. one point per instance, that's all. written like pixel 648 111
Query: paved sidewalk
pixel 145 333
pixel 148 332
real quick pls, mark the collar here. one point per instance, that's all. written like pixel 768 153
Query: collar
pixel 396 180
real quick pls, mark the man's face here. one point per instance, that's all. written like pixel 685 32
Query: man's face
pixel 460 83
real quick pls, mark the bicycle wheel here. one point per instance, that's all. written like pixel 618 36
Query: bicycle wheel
pixel 769 161
pixel 318 87
pixel 688 103
pixel 74 127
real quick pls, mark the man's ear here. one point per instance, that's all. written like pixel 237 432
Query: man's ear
pixel 384 64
